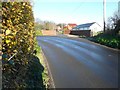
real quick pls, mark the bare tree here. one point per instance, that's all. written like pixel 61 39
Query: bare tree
pixel 114 23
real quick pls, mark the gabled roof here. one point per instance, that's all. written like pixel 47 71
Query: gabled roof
pixel 85 25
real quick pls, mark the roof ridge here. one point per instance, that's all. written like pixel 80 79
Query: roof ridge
pixel 88 23
pixel 85 25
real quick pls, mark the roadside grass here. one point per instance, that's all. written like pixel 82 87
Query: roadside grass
pixel 112 41
pixel 38 32
pixel 45 75
pixel 39 54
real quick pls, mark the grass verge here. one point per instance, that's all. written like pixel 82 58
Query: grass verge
pixel 45 75
pixel 38 33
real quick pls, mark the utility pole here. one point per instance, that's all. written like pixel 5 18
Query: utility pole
pixel 119 9
pixel 104 14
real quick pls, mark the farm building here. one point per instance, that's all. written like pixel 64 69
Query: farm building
pixel 87 29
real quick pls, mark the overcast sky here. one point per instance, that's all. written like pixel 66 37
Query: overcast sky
pixel 73 11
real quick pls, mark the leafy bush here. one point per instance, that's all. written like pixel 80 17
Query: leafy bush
pixel 18 39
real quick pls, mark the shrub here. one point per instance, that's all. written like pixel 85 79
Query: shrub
pixel 18 39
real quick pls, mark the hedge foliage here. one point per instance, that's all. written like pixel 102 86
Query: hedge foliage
pixel 107 40
pixel 18 37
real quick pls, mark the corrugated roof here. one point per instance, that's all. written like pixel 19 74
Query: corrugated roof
pixel 85 25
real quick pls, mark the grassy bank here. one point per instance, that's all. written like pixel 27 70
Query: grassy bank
pixel 38 32
pixel 45 75
pixel 107 40
pixel 39 54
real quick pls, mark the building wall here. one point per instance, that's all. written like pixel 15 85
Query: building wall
pixel 49 32
pixel 66 31
pixel 86 33
pixel 95 28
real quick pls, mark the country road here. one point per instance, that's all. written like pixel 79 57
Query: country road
pixel 79 63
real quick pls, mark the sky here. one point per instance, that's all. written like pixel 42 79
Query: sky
pixel 73 11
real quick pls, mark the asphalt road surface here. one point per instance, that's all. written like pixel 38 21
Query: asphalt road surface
pixel 79 63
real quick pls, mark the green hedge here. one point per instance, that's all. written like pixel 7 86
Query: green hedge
pixel 18 39
pixel 108 40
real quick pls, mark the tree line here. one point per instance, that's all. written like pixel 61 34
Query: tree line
pixel 44 25
pixel 47 25
pixel 113 24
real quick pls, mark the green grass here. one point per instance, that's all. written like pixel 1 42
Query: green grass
pixel 38 33
pixel 45 75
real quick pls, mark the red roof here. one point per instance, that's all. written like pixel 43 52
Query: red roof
pixel 73 25
pixel 65 26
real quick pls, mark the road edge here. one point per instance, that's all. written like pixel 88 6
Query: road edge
pixel 104 46
pixel 52 85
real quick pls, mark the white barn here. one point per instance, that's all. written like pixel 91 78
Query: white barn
pixel 87 29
